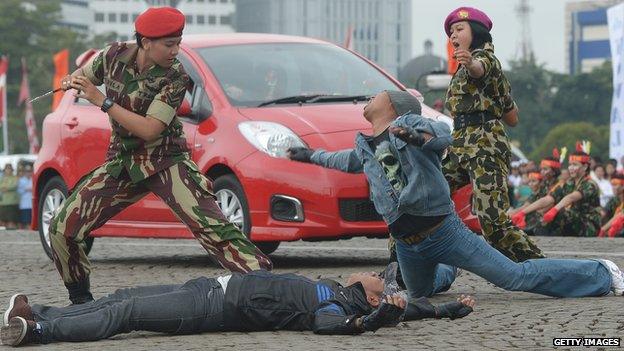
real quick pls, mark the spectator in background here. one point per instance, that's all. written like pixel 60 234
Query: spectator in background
pixel 438 105
pixel 614 210
pixel 24 190
pixel 9 213
pixel 610 168
pixel 606 189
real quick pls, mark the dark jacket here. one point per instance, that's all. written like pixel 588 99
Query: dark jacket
pixel 266 301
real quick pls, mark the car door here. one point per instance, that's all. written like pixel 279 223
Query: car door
pixel 85 134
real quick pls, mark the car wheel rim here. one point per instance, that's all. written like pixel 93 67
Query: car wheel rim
pixel 231 207
pixel 51 204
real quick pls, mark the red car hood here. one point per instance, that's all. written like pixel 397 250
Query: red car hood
pixel 323 118
pixel 313 118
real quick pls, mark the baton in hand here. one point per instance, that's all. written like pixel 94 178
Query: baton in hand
pixel 46 94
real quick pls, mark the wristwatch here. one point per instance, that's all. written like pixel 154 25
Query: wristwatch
pixel 107 104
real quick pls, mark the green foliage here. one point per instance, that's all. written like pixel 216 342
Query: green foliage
pixel 30 30
pixel 567 134
pixel 548 101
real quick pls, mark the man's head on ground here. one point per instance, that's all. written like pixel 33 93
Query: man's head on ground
pixel 389 104
pixel 372 283
pixel 159 33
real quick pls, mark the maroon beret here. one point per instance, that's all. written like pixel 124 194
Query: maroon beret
pixel 158 22
pixel 467 14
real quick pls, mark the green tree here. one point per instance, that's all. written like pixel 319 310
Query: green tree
pixel 30 30
pixel 567 134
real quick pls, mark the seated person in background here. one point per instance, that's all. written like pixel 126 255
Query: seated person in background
pixel 256 301
pixel 573 208
pixel 613 212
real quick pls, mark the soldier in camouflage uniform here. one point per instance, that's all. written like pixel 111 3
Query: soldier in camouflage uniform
pixel 479 99
pixel 574 207
pixel 550 170
pixel 145 85
pixel 613 209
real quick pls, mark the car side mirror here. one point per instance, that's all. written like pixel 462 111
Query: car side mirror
pixel 185 109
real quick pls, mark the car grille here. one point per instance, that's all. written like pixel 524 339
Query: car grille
pixel 358 210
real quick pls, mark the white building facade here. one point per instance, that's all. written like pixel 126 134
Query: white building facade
pixel 105 16
pixel 381 28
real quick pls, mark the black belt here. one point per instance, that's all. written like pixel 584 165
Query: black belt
pixel 472 119
pixel 418 237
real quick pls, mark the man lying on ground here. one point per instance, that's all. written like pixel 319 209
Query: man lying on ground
pixel 256 301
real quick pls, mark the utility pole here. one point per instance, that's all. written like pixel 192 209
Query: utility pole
pixel 525 48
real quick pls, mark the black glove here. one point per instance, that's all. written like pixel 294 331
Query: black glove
pixel 421 308
pixel 386 314
pixel 409 136
pixel 300 154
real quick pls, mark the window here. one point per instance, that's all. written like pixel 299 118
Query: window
pixel 112 17
pixel 123 18
pixel 99 17
pixel 201 19
pixel 212 19
pixel 225 20
pixel 224 1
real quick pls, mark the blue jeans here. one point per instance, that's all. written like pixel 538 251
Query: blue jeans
pixel 425 271
pixel 194 307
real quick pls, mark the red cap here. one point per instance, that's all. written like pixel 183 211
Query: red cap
pixel 158 22
pixel 467 14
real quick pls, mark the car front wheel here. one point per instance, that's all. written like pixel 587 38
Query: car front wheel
pixel 52 197
pixel 233 203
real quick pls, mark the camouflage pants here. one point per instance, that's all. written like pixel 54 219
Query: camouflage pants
pixel 572 223
pixel 182 187
pixel 488 175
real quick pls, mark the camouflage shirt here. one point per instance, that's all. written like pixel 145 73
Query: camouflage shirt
pixel 157 92
pixel 589 205
pixel 492 94
pixel 614 205
pixel 545 187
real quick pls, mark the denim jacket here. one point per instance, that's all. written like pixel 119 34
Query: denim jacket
pixel 426 192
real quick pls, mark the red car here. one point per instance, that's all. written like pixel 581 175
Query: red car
pixel 252 97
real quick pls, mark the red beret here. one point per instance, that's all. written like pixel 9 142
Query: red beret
pixel 158 22
pixel 467 14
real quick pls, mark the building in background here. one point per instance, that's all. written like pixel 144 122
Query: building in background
pixel 414 70
pixel 587 35
pixel 95 17
pixel 382 29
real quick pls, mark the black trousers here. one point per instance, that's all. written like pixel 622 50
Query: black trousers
pixel 193 307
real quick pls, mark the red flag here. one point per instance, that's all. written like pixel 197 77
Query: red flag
pixel 61 64
pixel 4 66
pixel 29 117
pixel 453 65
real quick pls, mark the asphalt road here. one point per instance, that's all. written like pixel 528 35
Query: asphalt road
pixel 501 321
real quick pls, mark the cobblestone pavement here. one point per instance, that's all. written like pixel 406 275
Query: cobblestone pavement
pixel 501 320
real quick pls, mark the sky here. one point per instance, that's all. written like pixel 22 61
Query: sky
pixel 546 23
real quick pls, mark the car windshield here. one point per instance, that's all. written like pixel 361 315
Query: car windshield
pixel 256 74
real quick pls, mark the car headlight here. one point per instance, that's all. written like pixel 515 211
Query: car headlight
pixel 271 138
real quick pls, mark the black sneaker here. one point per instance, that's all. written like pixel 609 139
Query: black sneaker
pixel 20 332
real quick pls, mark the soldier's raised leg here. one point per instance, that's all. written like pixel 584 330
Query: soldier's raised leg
pixel 96 199
pixel 490 203
pixel 189 194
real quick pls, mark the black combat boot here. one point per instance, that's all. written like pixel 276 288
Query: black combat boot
pixel 79 292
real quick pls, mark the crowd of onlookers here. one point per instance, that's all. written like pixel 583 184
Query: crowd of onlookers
pixel 525 182
pixel 16 196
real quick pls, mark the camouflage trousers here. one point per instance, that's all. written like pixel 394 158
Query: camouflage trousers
pixel 488 176
pixel 572 223
pixel 99 197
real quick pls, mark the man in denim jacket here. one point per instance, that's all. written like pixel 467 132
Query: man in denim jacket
pixel 402 162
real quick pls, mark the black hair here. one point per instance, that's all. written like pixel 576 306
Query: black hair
pixel 138 39
pixel 480 35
